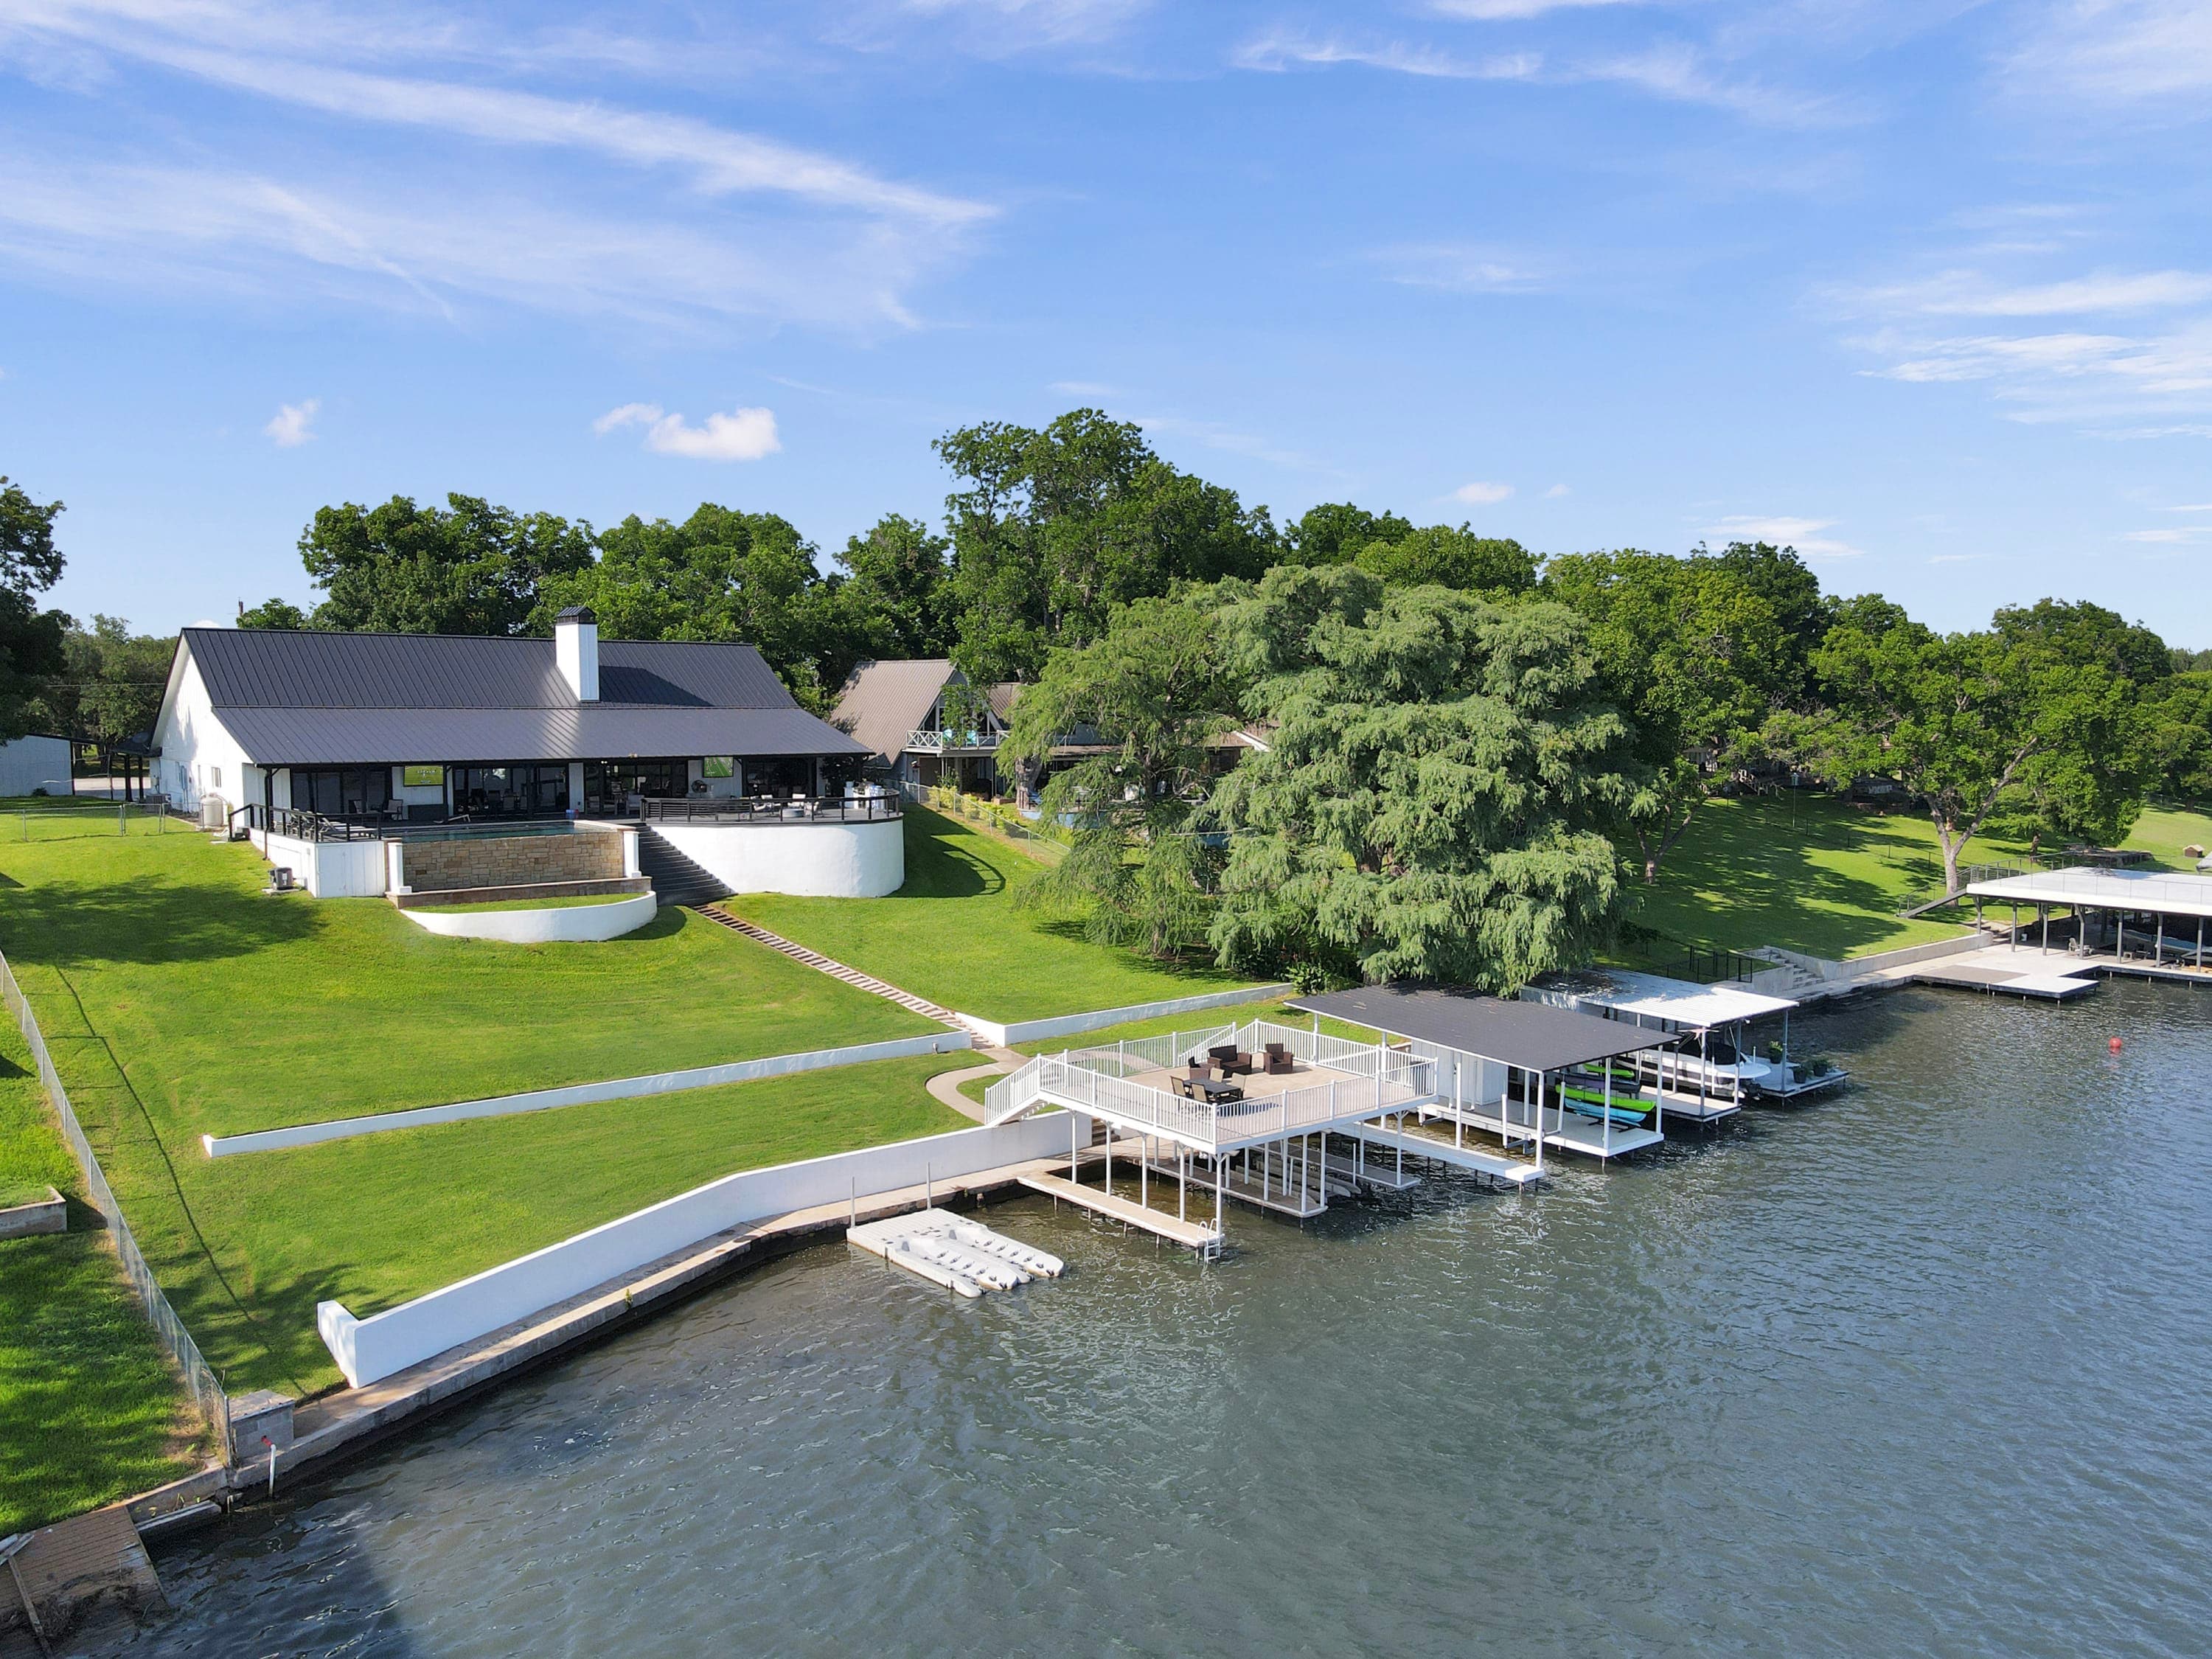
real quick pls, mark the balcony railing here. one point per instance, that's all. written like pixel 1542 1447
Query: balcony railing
pixel 969 742
pixel 770 809
pixel 299 824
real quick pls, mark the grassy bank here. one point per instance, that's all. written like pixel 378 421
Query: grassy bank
pixel 90 1410
pixel 954 934
pixel 232 1011
pixel 177 1000
pixel 1810 872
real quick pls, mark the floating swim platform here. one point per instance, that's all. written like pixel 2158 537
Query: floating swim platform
pixel 961 1254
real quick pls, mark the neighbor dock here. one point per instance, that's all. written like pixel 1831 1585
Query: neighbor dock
pixel 1191 1235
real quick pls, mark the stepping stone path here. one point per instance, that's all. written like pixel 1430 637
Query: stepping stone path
pixel 835 969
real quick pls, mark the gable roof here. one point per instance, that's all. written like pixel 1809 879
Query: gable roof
pixel 325 699
pixel 885 701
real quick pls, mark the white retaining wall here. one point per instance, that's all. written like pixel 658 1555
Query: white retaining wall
pixel 1033 1030
pixel 586 1094
pixel 330 869
pixel 542 926
pixel 369 1350
pixel 816 859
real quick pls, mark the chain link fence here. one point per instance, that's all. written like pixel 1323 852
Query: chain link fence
pixel 214 1405
pixel 66 820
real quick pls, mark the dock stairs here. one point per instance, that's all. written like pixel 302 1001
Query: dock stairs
pixel 831 966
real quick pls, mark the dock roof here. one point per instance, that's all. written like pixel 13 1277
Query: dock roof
pixel 1680 1002
pixel 1531 1035
pixel 2168 892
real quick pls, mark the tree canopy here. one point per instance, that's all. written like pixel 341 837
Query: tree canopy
pixel 1433 800
pixel 1150 695
pixel 1052 529
pixel 30 639
pixel 721 574
pixel 466 567
pixel 1697 659
pixel 1446 557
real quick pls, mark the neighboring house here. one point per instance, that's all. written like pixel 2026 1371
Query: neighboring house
pixel 924 722
pixel 33 763
pixel 409 727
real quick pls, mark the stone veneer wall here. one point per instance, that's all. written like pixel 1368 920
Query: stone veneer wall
pixel 512 860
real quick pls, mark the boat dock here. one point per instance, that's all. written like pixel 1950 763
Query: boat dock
pixel 1198 1235
pixel 955 1251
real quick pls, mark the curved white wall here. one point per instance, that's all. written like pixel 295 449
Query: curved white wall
pixel 541 926
pixel 817 861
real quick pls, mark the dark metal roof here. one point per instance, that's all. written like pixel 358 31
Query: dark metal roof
pixel 271 668
pixel 372 736
pixel 1529 1035
pixel 318 699
pixel 886 700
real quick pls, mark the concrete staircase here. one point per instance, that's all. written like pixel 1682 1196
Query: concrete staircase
pixel 829 965
pixel 676 880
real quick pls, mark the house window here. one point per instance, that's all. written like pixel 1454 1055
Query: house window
pixel 342 791
pixel 214 777
pixel 780 775
pixel 608 785
pixel 509 791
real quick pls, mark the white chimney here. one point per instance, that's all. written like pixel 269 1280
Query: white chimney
pixel 576 648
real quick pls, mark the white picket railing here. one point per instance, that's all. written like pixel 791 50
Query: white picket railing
pixel 1372 1079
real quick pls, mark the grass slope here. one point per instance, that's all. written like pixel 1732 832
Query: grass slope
pixel 233 1011
pixel 952 933
pixel 2164 829
pixel 89 1408
pixel 1810 872
pixel 176 998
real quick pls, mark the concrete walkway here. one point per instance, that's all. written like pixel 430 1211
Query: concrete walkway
pixel 945 1085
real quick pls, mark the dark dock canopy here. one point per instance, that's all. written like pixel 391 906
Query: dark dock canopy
pixel 1531 1035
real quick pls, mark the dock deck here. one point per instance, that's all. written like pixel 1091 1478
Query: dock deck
pixel 1191 1235
pixel 1513 1123
pixel 1419 1140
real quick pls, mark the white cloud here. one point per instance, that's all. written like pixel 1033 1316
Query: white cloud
pixel 2130 53
pixel 1025 23
pixel 1482 495
pixel 1289 49
pixel 1672 71
pixel 1491 11
pixel 1459 268
pixel 1214 435
pixel 653 216
pixel 743 434
pixel 2167 536
pixel 1803 534
pixel 1966 294
pixel 237 233
pixel 1081 389
pixel 2194 506
pixel 293 423
pixel 1556 491
pixel 1956 558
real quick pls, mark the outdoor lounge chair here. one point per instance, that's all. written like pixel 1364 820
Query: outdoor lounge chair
pixel 1279 1062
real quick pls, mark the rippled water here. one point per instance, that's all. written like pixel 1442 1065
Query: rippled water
pixel 1919 1369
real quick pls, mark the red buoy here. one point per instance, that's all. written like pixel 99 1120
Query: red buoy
pixel 2113 1044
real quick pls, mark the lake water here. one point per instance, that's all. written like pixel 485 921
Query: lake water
pixel 1919 1369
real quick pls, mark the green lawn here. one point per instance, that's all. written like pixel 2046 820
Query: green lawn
pixel 1810 872
pixel 89 1409
pixel 232 1011
pixel 953 934
pixel 177 1000
pixel 2163 831
pixel 374 1221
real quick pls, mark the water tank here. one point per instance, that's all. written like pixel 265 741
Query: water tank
pixel 214 812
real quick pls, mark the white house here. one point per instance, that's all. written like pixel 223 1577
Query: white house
pixel 329 739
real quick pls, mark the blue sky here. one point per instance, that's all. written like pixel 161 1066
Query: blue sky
pixel 1925 289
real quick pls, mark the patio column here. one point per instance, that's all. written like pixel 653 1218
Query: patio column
pixel 1608 1064
pixel 1539 1076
